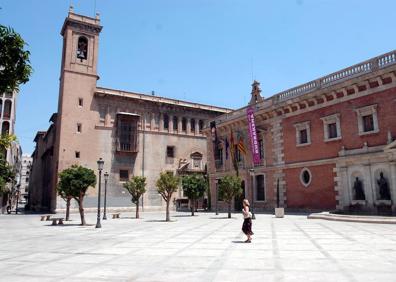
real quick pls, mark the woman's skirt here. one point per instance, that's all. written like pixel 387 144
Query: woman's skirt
pixel 247 226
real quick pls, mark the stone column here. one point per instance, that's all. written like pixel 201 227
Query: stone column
pixel 392 184
pixel 197 127
pixel 170 123
pixel 152 122
pixel 188 131
pixel 179 124
pixel 107 121
pixel 161 122
pixel 143 121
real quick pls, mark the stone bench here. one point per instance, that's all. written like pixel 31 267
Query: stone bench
pixel 115 215
pixel 45 217
pixel 57 220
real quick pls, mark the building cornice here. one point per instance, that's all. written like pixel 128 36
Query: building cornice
pixel 82 23
pixel 100 91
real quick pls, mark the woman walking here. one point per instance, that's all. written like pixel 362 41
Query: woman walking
pixel 247 221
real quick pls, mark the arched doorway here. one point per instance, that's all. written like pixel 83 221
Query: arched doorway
pixel 238 200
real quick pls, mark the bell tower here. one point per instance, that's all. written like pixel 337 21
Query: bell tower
pixel 78 77
pixel 80 43
pixel 256 96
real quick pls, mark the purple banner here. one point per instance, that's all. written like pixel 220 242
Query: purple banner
pixel 253 137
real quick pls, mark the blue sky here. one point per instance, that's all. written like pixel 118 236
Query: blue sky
pixel 204 51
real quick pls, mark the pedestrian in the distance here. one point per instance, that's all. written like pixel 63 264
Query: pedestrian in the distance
pixel 247 221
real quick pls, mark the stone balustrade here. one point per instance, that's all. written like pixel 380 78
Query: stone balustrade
pixel 368 66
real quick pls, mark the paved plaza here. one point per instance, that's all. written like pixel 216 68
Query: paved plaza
pixel 201 248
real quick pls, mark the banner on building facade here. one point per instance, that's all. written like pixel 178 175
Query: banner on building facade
pixel 253 136
pixel 215 140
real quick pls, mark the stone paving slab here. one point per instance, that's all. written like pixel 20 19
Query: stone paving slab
pixel 200 248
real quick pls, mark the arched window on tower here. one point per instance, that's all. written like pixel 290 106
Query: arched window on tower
pixel 5 129
pixel 7 109
pixel 82 48
pixel 1 107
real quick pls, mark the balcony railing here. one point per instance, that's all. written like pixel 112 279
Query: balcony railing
pixel 126 147
pixel 339 76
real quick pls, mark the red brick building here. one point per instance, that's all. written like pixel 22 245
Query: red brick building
pixel 326 145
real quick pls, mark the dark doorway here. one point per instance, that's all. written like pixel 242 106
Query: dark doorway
pixel 238 200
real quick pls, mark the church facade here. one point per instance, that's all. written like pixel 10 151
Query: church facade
pixel 325 145
pixel 134 133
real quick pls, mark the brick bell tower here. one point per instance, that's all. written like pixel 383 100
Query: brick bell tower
pixel 75 134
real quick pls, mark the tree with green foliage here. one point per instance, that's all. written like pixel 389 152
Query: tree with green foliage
pixel 65 191
pixel 194 187
pixel 7 175
pixel 78 179
pixel 136 187
pixel 230 187
pixel 15 68
pixel 167 184
pixel 6 140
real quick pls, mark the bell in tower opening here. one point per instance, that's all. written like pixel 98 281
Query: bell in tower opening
pixel 82 48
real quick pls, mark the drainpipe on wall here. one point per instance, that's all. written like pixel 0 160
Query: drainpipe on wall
pixel 144 130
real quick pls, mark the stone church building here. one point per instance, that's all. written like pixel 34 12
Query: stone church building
pixel 134 133
pixel 325 145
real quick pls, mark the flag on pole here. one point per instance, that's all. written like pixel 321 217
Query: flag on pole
pixel 241 146
pixel 213 132
pixel 232 146
pixel 233 151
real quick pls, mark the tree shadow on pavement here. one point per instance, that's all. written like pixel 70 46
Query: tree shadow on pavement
pixel 222 217
pixel 70 225
pixel 159 220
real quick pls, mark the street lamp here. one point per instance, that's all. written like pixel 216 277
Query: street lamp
pixel 251 172
pixel 217 196
pixel 106 177
pixel 17 200
pixel 100 168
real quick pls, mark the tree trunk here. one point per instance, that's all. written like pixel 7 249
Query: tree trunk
pixel 167 210
pixel 137 208
pixel 229 209
pixel 192 207
pixel 81 210
pixel 68 208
